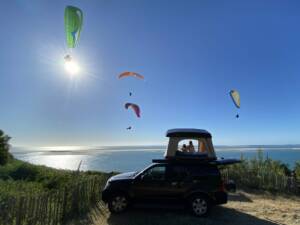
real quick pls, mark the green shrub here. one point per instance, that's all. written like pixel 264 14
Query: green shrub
pixel 261 173
pixel 25 172
pixel 297 170
pixel 4 148
pixel 43 178
pixel 11 188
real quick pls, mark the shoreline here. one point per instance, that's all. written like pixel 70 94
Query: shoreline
pixel 123 160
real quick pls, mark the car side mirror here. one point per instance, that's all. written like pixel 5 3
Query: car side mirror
pixel 139 178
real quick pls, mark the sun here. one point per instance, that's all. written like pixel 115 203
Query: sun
pixel 72 67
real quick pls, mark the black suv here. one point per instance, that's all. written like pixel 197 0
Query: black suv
pixel 195 185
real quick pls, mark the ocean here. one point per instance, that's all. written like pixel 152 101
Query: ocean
pixel 133 158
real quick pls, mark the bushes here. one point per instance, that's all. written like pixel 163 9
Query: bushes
pixel 11 188
pixel 45 179
pixel 4 148
pixel 42 176
pixel 24 172
pixel 263 173
pixel 297 170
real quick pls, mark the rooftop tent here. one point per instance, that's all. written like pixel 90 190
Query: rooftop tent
pixel 205 147
pixel 189 133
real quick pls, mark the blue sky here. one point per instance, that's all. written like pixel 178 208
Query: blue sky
pixel 190 52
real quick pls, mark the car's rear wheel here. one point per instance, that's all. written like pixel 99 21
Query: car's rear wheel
pixel 199 205
pixel 118 203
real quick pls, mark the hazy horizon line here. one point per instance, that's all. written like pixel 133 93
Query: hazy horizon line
pixel 82 147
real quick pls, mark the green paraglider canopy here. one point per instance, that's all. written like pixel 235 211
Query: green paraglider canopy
pixel 73 25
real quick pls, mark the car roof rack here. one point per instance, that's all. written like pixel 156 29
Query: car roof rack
pixel 184 159
pixel 216 161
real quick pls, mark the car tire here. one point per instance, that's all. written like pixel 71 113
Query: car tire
pixel 199 205
pixel 118 203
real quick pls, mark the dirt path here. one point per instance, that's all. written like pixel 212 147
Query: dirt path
pixel 242 209
pixel 278 209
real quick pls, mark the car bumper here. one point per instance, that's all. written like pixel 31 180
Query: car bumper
pixel 220 198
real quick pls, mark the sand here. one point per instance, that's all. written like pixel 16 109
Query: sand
pixel 242 209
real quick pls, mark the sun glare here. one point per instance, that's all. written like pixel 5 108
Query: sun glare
pixel 72 67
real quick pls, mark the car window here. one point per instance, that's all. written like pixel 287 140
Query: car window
pixel 178 173
pixel 155 173
pixel 188 146
pixel 192 146
pixel 204 170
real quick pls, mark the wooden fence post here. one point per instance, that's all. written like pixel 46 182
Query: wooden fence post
pixel 19 211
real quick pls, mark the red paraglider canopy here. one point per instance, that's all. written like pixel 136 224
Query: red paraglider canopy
pixel 135 108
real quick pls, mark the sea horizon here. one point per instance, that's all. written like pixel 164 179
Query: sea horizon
pixel 70 148
pixel 132 158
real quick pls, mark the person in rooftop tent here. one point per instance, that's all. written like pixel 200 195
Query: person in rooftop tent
pixel 191 147
pixel 184 148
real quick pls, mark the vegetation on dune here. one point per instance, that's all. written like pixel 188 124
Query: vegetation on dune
pixel 18 177
pixel 297 170
pixel 4 148
pixel 265 174
pixel 23 179
pixel 34 194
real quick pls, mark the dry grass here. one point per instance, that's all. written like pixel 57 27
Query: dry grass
pixel 242 209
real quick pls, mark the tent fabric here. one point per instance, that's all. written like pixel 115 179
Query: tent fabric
pixel 188 133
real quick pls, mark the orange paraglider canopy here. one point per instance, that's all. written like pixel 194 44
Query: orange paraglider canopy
pixel 131 74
